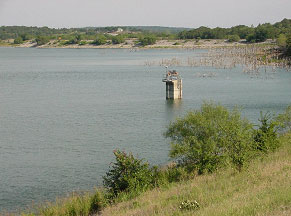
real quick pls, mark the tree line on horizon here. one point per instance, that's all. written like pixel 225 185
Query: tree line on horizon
pixel 251 34
pixel 147 35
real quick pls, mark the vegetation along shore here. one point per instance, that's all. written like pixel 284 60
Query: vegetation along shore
pixel 277 34
pixel 221 165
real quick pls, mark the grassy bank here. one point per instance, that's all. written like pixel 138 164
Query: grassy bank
pixel 264 188
pixel 222 165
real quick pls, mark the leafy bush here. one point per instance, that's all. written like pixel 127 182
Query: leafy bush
pixel 284 119
pixel 251 38
pixel 100 40
pixel 118 39
pixel 25 37
pixel 233 38
pixel 128 174
pixel 74 39
pixel 288 45
pixel 208 138
pixel 147 40
pixel 18 40
pixel 81 43
pixel 266 135
pixel 176 174
pixel 98 202
pixel 41 40
pixel 281 40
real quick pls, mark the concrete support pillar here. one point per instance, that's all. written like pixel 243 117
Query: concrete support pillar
pixel 174 89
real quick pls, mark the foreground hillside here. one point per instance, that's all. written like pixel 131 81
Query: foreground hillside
pixel 264 188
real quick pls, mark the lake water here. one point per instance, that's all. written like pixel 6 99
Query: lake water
pixel 63 112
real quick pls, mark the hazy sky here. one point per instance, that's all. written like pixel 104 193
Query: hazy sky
pixel 181 13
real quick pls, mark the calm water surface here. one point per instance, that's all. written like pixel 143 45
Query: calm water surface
pixel 63 112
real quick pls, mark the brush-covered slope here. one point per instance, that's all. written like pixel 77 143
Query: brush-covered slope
pixel 264 188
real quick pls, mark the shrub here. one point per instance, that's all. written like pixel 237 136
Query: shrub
pixel 233 38
pixel 208 138
pixel 98 202
pixel 25 37
pixel 128 174
pixel 76 39
pixel 266 135
pixel 118 39
pixel 81 43
pixel 176 174
pixel 288 45
pixel 41 40
pixel 100 40
pixel 18 40
pixel 147 40
pixel 281 40
pixel 251 38
pixel 284 119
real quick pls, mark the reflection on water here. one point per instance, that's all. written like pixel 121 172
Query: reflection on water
pixel 173 108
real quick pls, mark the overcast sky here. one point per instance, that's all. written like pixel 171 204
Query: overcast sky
pixel 180 13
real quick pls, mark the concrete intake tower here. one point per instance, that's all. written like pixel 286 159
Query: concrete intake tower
pixel 173 85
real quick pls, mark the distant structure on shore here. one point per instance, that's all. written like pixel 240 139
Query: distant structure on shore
pixel 173 85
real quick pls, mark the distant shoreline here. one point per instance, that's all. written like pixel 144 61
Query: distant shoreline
pixel 130 44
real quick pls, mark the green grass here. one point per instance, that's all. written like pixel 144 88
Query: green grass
pixel 264 188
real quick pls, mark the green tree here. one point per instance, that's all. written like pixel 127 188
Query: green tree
pixel 284 119
pixel 41 40
pixel 266 135
pixel 128 174
pixel 148 40
pixel 209 138
pixel 18 40
pixel 100 40
pixel 76 39
pixel 233 38
pixel 118 39
pixel 288 45
pixel 281 40
pixel 25 37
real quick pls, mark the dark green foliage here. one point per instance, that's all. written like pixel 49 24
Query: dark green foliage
pixel 98 202
pixel 41 40
pixel 18 40
pixel 118 39
pixel 208 138
pixel 176 174
pixel 128 174
pixel 147 40
pixel 233 38
pixel 284 119
pixel 284 42
pixel 100 40
pixel 258 34
pixel 266 135
pixel 81 43
pixel 288 45
pixel 76 39
pixel 90 33
pixel 25 37
pixel 262 33
pixel 251 38
pixel 281 40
